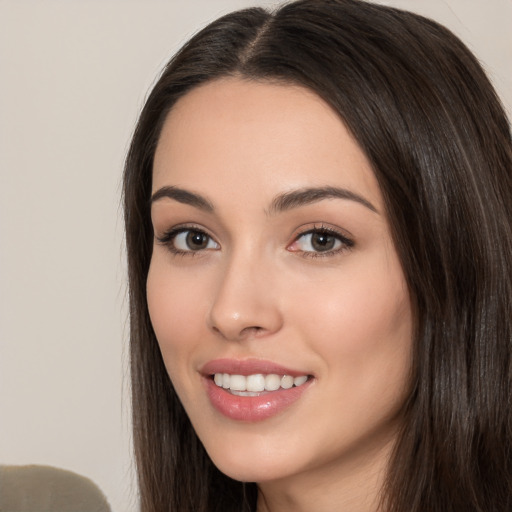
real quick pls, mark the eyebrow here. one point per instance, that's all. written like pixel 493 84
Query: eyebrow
pixel 183 196
pixel 303 196
pixel 281 203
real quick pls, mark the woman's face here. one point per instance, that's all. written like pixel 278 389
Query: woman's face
pixel 275 291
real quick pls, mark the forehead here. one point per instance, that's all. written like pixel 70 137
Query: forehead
pixel 254 134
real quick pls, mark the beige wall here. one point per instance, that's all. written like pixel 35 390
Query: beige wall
pixel 73 77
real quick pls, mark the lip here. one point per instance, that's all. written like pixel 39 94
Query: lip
pixel 251 408
pixel 247 367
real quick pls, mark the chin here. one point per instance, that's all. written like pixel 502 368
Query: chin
pixel 240 466
pixel 246 472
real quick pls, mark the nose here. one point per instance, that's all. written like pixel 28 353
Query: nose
pixel 246 302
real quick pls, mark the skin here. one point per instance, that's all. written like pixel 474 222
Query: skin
pixel 260 290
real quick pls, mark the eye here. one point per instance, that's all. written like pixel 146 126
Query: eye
pixel 188 240
pixel 320 241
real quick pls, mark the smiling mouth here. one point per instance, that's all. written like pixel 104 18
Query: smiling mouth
pixel 258 383
pixel 253 390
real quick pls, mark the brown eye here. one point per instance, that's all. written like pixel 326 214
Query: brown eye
pixel 320 242
pixel 190 240
pixel 323 241
pixel 196 240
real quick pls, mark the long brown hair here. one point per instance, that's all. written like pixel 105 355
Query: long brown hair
pixel 430 123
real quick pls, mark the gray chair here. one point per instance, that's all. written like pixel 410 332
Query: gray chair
pixel 48 489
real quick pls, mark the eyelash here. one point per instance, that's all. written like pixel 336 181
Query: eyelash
pixel 169 237
pixel 345 243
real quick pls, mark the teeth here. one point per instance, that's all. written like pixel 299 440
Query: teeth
pixel 272 382
pixel 238 383
pixel 255 382
pixel 287 382
pixel 298 381
pixel 251 385
pixel 244 393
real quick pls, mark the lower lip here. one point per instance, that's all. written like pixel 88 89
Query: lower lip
pixel 253 408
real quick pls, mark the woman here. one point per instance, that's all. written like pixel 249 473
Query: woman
pixel 318 215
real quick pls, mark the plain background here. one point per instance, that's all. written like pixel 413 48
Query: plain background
pixel 73 77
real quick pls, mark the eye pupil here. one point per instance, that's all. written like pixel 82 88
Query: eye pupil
pixel 322 241
pixel 197 240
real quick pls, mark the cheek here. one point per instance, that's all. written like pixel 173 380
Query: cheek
pixel 361 298
pixel 175 315
pixel 360 324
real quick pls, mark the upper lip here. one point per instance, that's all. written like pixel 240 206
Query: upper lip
pixel 248 367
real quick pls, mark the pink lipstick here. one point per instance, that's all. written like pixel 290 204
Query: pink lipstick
pixel 252 390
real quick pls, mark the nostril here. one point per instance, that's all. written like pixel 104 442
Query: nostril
pixel 245 333
pixel 252 331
